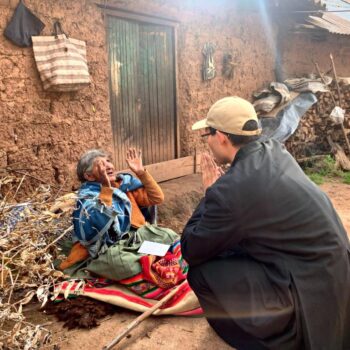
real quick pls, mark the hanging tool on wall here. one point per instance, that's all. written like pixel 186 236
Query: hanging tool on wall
pixel 229 65
pixel 209 70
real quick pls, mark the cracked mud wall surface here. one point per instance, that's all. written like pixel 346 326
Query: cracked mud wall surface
pixel 46 132
pixel 299 51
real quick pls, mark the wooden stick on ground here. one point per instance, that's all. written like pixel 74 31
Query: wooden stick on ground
pixel 140 318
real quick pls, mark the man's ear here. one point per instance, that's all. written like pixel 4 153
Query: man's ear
pixel 89 177
pixel 222 137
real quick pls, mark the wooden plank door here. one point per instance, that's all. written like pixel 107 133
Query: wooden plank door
pixel 142 89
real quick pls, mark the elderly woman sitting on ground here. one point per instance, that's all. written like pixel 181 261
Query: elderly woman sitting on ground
pixel 109 218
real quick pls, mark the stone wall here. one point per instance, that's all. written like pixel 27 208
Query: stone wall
pixel 45 133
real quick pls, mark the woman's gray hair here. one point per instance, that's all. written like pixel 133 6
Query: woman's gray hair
pixel 86 162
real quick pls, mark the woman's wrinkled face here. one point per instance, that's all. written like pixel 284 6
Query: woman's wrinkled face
pixel 101 167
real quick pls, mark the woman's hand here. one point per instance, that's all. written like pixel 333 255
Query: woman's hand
pixel 210 171
pixel 134 160
pixel 102 172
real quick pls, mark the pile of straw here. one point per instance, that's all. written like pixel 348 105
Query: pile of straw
pixel 29 231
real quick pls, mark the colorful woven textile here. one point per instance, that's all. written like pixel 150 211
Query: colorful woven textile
pixel 184 303
pixel 165 272
pixel 150 283
pixel 141 292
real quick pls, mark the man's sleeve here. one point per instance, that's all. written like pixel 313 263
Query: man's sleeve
pixel 212 229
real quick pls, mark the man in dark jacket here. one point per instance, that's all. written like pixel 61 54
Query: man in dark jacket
pixel 268 254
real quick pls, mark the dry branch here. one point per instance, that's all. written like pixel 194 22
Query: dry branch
pixel 29 233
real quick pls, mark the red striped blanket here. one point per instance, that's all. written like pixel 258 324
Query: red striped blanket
pixel 142 291
pixel 184 303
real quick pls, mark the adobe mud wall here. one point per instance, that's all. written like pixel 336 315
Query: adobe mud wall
pixel 45 133
pixel 300 50
pixel 42 132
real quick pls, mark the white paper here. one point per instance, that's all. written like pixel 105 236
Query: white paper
pixel 337 115
pixel 153 248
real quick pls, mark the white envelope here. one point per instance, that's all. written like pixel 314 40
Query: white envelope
pixel 153 248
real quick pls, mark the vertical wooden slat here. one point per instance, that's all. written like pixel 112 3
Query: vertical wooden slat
pixel 157 71
pixel 169 120
pixel 110 46
pixel 176 84
pixel 122 103
pixel 128 90
pixel 162 102
pixel 144 86
pixel 170 107
pixel 115 80
pixel 156 126
pixel 146 74
pixel 112 79
pixel 147 119
pixel 171 92
pixel 143 93
pixel 152 96
pixel 135 55
pixel 119 100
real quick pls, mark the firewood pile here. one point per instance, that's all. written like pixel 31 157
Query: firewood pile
pixel 315 126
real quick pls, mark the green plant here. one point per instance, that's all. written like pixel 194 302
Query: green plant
pixel 316 178
pixel 321 169
pixel 346 178
pixel 330 165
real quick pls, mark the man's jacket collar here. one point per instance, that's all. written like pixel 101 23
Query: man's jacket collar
pixel 246 150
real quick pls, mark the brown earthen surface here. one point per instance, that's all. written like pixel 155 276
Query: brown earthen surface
pixel 174 333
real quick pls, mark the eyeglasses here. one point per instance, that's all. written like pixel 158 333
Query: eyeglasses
pixel 211 132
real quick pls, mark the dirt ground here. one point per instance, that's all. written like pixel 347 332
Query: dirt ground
pixel 167 332
pixel 339 193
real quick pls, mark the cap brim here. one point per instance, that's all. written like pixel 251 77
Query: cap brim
pixel 202 124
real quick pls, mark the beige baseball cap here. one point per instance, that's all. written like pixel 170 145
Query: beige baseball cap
pixel 229 115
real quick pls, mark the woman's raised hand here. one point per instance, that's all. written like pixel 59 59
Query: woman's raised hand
pixel 134 160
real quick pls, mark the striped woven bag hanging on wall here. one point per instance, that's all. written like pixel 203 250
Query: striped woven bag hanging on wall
pixel 61 61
